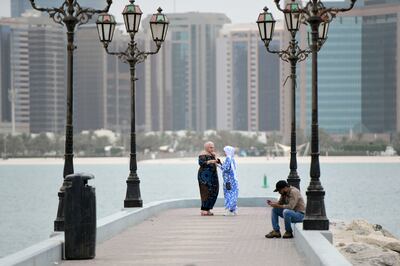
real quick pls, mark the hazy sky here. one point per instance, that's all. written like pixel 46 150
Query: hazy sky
pixel 243 11
pixel 238 11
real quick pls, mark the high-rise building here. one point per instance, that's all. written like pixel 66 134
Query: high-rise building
pixel 20 75
pixel 18 7
pixel 155 77
pixel 102 84
pixel 156 111
pixel 358 68
pixel 380 66
pixel 5 73
pixel 33 55
pixel 269 87
pixel 90 81
pixel 46 78
pixel 189 64
pixel 11 95
pixel 118 87
pixel 142 101
pixel 35 79
pixel 248 81
pixel 339 80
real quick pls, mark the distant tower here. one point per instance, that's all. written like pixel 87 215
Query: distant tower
pixel 36 75
pixel 248 84
pixel 5 73
pixel 18 7
pixel 189 66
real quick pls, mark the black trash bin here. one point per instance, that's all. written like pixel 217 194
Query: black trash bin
pixel 79 218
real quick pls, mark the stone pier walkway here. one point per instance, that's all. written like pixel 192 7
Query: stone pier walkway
pixel 183 237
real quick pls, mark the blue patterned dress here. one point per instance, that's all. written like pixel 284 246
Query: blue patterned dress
pixel 231 195
pixel 208 182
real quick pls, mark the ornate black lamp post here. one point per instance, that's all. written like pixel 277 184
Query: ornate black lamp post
pixel 133 56
pixel 71 15
pixel 293 54
pixel 318 17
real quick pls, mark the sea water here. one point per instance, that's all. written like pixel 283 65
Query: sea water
pixel 29 200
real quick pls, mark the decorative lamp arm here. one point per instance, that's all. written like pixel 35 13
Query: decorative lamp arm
pixel 57 14
pixel 283 54
pixel 48 10
pixel 141 56
pixel 303 54
pixel 136 56
pixel 278 6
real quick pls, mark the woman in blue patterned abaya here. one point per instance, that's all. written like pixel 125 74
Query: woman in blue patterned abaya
pixel 208 179
pixel 231 188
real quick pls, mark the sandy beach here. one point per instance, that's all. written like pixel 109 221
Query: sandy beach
pixel 60 161
pixel 247 160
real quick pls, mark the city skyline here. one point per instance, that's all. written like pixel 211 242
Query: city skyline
pixel 179 89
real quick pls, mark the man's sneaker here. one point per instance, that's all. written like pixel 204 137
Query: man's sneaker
pixel 288 235
pixel 273 234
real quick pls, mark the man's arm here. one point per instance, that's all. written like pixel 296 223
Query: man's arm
pixel 293 200
pixel 277 204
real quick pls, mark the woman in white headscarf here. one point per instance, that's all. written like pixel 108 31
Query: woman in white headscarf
pixel 231 188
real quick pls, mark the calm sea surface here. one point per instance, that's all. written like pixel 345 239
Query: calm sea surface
pixel 28 193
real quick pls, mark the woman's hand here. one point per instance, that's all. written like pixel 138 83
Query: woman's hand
pixel 212 162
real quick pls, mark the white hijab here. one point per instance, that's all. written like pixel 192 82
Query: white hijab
pixel 230 153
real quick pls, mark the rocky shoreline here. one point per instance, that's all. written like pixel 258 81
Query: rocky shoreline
pixel 363 243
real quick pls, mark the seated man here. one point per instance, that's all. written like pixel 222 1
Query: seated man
pixel 290 207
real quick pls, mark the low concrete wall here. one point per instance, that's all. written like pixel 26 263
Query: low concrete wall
pixel 45 253
pixel 50 251
pixel 317 247
pixel 313 244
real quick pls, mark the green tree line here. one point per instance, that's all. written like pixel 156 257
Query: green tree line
pixel 90 144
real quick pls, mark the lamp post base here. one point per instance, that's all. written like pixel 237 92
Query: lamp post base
pixel 59 221
pixel 58 225
pixel 294 180
pixel 315 218
pixel 316 223
pixel 133 198
pixel 132 203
